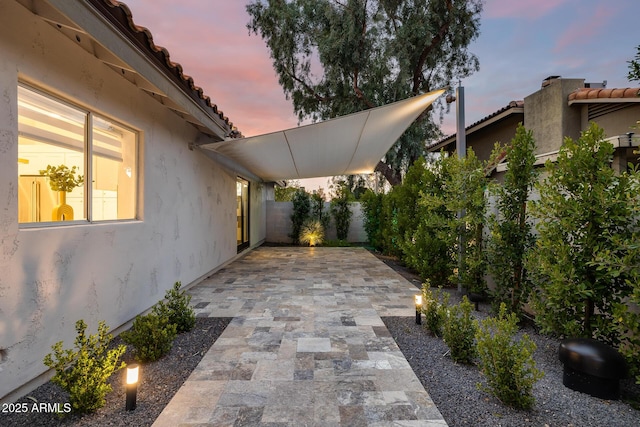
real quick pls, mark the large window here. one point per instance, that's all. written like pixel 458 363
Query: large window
pixel 73 164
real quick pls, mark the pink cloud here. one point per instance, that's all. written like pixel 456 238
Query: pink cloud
pixel 520 8
pixel 582 30
pixel 209 39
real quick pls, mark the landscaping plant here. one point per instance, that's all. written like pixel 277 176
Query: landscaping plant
pixel 151 336
pixel 464 199
pixel 435 304
pixel 340 209
pixel 312 233
pixel 301 211
pixel 507 363
pixel 425 236
pixel 83 372
pixel 177 309
pixel 584 212
pixel 511 230
pixel 373 219
pixel 459 332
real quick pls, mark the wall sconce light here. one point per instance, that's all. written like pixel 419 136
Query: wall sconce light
pixel 418 300
pixel 132 387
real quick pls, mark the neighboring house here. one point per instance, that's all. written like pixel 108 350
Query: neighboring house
pixel 561 108
pixel 83 86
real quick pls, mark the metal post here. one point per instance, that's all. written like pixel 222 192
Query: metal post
pixel 461 148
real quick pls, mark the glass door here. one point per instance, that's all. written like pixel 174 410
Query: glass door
pixel 242 211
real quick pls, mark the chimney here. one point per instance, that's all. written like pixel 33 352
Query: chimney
pixel 549 81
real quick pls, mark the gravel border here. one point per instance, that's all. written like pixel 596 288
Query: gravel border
pixel 451 386
pixel 159 382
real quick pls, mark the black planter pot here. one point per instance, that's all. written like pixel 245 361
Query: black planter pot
pixel 476 298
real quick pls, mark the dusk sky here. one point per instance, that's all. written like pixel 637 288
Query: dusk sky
pixel 521 42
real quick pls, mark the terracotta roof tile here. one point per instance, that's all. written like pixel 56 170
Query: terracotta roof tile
pixel 120 15
pixel 616 93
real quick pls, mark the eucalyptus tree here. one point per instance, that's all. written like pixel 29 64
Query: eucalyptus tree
pixel 335 57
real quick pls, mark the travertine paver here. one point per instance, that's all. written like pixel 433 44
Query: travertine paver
pixel 306 346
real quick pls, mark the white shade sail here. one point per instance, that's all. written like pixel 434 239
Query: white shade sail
pixel 347 145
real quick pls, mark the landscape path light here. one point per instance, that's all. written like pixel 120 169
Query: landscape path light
pixel 132 386
pixel 418 301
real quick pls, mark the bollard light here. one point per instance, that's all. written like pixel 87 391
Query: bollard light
pixel 418 301
pixel 132 387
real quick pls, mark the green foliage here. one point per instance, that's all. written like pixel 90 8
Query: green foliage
pixel 61 178
pixel 584 211
pixel 177 309
pixel 434 306
pixel 84 372
pixel 511 230
pixel 367 54
pixel 621 257
pixel 507 364
pixel 634 67
pixel 151 336
pixel 424 222
pixel 341 209
pixel 373 219
pixel 459 332
pixel 285 194
pixel 464 196
pixel 317 211
pixel 312 233
pixel 301 210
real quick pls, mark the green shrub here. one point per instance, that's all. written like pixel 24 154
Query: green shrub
pixel 340 209
pixel 301 211
pixel 84 372
pixel 177 309
pixel 507 364
pixel 151 336
pixel 372 222
pixel 434 306
pixel 459 332
pixel 585 211
pixel 511 230
pixel 312 233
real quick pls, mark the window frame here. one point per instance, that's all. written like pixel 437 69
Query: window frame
pixel 87 153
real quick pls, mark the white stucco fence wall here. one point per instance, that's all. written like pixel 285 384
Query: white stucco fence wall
pixel 279 223
pixel 51 276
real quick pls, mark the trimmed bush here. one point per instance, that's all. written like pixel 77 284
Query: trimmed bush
pixel 507 364
pixel 434 306
pixel 151 336
pixel 459 332
pixel 84 372
pixel 177 309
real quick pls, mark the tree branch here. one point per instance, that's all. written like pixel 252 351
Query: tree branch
pixel 391 176
pixel 306 86
pixel 435 41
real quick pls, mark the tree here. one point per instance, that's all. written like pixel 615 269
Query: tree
pixel 335 57
pixel 584 213
pixel 285 194
pixel 511 235
pixel 634 67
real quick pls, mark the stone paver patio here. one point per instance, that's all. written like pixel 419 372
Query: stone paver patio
pixel 306 346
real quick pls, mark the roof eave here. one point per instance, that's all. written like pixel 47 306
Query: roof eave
pixel 122 48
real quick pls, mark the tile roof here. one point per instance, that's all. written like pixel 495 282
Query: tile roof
pixel 120 15
pixel 603 93
pixel 511 105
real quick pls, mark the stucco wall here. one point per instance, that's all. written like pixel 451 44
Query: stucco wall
pixel 279 223
pixel 52 276
pixel 549 116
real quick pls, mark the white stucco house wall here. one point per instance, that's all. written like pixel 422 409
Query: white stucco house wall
pixel 179 219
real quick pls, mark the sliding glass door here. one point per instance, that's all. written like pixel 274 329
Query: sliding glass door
pixel 242 195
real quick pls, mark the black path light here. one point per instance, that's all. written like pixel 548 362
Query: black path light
pixel 132 386
pixel 418 301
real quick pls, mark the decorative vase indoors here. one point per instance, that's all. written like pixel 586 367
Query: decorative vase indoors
pixel 62 212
